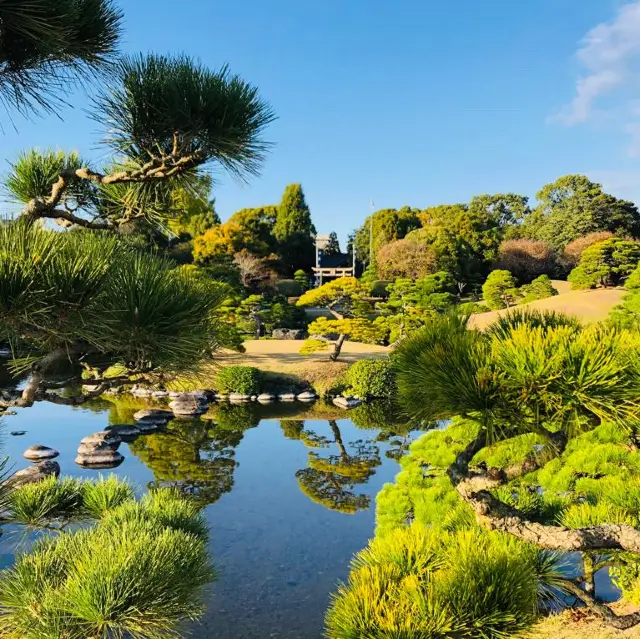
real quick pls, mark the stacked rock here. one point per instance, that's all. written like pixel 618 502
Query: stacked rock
pixel 100 450
pixel 189 404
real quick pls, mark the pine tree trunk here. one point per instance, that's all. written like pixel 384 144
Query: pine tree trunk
pixel 337 347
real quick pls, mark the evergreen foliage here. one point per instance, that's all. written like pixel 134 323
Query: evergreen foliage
pixel 245 380
pixel 46 46
pixel 294 230
pixel 540 288
pixel 500 290
pixel 371 378
pixel 606 263
pixel 138 570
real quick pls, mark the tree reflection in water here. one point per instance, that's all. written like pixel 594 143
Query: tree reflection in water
pixel 197 456
pixel 331 480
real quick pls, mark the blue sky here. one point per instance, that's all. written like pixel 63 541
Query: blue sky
pixel 412 102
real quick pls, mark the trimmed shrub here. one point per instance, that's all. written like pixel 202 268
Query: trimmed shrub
pixel 539 289
pixel 500 290
pixel 302 278
pixel 371 378
pixel 379 288
pixel 289 288
pixel 246 380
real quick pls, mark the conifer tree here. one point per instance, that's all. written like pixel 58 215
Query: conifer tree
pixel 294 229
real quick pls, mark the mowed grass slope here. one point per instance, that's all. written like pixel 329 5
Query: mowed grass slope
pixel 587 306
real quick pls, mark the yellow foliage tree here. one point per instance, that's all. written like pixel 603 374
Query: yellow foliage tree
pixel 224 239
pixel 346 299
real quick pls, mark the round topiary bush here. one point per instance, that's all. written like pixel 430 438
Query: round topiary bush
pixel 245 380
pixel 371 378
pixel 289 288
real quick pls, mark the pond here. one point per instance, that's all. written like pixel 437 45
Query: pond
pixel 289 494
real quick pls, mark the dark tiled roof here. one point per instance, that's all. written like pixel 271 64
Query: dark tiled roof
pixel 339 260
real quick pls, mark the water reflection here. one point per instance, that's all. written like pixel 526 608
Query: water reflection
pixel 331 480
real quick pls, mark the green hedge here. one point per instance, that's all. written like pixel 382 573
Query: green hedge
pixel 371 378
pixel 246 380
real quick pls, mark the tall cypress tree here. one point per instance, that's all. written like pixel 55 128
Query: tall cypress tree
pixel 294 230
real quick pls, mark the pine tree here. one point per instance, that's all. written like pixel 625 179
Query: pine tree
pixel 294 230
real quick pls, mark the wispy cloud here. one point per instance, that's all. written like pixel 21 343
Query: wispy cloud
pixel 610 56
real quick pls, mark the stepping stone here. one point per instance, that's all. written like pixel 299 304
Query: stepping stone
pixel 306 396
pixel 159 394
pixel 287 397
pixel 239 397
pixel 36 472
pixel 124 430
pixel 39 453
pixel 266 398
pixel 153 413
pixel 103 458
pixel 102 437
pixel 17 433
pixel 188 405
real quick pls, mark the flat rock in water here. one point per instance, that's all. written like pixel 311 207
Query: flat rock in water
pixel 287 397
pixel 124 430
pixel 17 433
pixel 102 437
pixel 265 398
pixel 34 473
pixel 101 459
pixel 153 413
pixel 306 396
pixel 39 453
pixel 159 394
pixel 95 448
pixel 346 402
pixel 188 405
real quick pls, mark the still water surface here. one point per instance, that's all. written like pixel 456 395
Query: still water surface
pixel 289 501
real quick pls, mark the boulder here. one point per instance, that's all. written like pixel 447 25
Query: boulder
pixel 346 402
pixel 266 398
pixel 287 333
pixel 102 437
pixel 287 397
pixel 34 473
pixel 306 396
pixel 39 453
pixel 100 459
pixel 153 413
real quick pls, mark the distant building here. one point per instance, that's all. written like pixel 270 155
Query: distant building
pixel 329 267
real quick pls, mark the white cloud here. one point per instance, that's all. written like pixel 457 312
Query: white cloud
pixel 610 54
